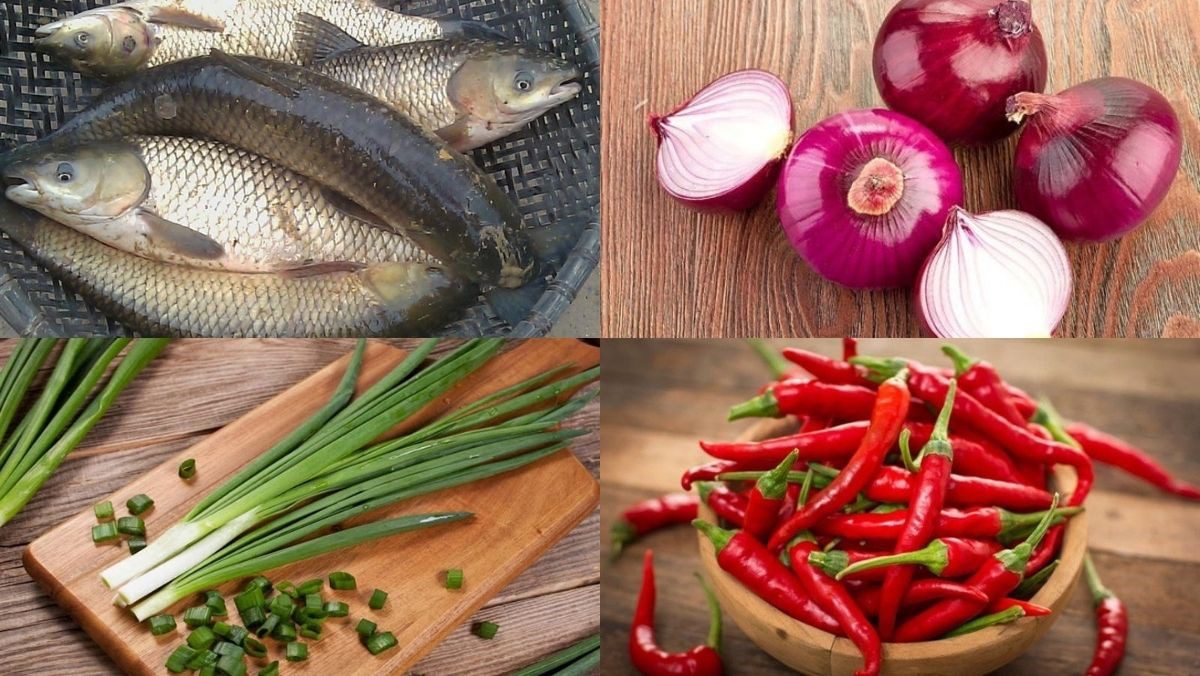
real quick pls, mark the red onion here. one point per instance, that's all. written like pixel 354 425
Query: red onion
pixel 863 197
pixel 721 149
pixel 952 64
pixel 1096 160
pixel 998 275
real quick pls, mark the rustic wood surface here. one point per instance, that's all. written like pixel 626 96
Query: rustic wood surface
pixel 664 395
pixel 194 389
pixel 669 272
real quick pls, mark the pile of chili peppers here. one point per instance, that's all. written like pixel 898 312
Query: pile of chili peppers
pixel 843 527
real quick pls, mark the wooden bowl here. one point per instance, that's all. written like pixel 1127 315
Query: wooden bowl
pixel 813 651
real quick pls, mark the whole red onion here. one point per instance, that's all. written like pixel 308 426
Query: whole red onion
pixel 863 196
pixel 1097 159
pixel 952 64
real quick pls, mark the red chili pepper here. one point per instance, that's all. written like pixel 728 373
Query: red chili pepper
pixel 840 402
pixel 976 522
pixel 980 380
pixel 650 515
pixel 649 659
pixel 813 424
pixel 944 557
pixel 1112 624
pixel 996 578
pixel 1017 439
pixel 1046 551
pixel 834 598
pixel 710 471
pixel 894 485
pixel 835 442
pixel 1031 609
pixel 748 561
pixel 825 369
pixel 887 418
pixel 726 504
pixel 766 499
pixel 849 348
pixel 789 503
pixel 972 456
pixel 919 593
pixel 1112 451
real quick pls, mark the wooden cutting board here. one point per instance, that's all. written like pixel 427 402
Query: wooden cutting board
pixel 519 515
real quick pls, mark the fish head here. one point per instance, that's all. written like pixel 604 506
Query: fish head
pixel 108 42
pixel 82 185
pixel 510 85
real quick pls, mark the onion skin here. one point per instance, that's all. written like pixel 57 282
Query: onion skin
pixel 1133 142
pixel 953 64
pixel 846 245
pixel 748 192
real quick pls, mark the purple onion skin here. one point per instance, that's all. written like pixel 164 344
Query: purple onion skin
pixel 1133 142
pixel 955 77
pixel 853 249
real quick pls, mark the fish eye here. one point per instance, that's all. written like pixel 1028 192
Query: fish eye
pixel 66 173
pixel 82 38
pixel 129 44
pixel 524 81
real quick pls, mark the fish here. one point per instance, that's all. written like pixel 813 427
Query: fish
pixel 468 91
pixel 348 141
pixel 201 203
pixel 119 40
pixel 160 299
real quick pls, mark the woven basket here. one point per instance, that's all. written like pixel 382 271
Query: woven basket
pixel 551 169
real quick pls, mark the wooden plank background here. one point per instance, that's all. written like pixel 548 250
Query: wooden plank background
pixel 193 389
pixel 669 272
pixel 664 395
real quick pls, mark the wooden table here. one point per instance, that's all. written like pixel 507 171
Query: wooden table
pixel 669 272
pixel 193 389
pixel 663 396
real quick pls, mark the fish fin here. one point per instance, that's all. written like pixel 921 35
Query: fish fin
pixel 467 28
pixel 515 305
pixel 457 134
pixel 175 16
pixel 353 209
pixel 315 269
pixel 283 85
pixel 553 243
pixel 317 40
pixel 179 239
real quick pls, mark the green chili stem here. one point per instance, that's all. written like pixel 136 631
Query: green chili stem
pixel 714 615
pixel 779 366
pixel 1002 617
pixel 933 557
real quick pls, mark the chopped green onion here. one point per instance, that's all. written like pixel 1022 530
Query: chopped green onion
pixel 178 661
pixel 231 663
pixel 296 652
pixel 378 598
pixel 337 609
pixel 485 629
pixel 136 544
pixel 227 648
pixel 313 601
pixel 162 624
pixel 282 605
pixel 286 587
pixel 267 626
pixel 216 602
pixel 311 630
pixel 139 504
pixel 454 578
pixel 251 598
pixel 253 616
pixel 103 510
pixel 365 628
pixel 262 583
pixel 255 648
pixel 105 532
pixel 342 581
pixel 187 469
pixel 313 586
pixel 380 642
pixel 222 629
pixel 303 615
pixel 202 638
pixel 197 616
pixel 237 669
pixel 238 635
pixel 131 525
pixel 284 633
pixel 271 669
pixel 208 670
pixel 203 655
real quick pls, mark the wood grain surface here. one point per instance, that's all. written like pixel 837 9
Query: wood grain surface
pixel 669 272
pixel 664 395
pixel 196 388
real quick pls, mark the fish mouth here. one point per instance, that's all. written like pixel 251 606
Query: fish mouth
pixel 45 32
pixel 569 88
pixel 19 189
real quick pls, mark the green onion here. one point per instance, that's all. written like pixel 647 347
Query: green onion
pixel 136 544
pixel 337 609
pixel 178 660
pixel 227 648
pixel 311 587
pixel 161 624
pixel 231 663
pixel 296 652
pixel 222 629
pixel 238 635
pixel 378 598
pixel 202 659
pixel 105 532
pixel 582 666
pixel 216 602
pixel 103 510
pixel 311 630
pixel 284 632
pixel 287 588
pixel 342 581
pixel 197 616
pixel 187 469
pixel 131 525
pixel 454 578
pixel 267 626
pixel 485 629
pixel 312 601
pixel 255 648
pixel 263 584
pixel 202 638
pixel 251 598
pixel 253 616
pixel 271 669
pixel 139 504
pixel 561 658
pixel 282 605
pixel 365 628
pixel 380 642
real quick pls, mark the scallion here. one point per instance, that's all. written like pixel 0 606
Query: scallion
pixel 311 630
pixel 342 581
pixel 136 544
pixel 296 652
pixel 337 609
pixel 214 600
pixel 271 669
pixel 202 638
pixel 131 525
pixel 255 648
pixel 286 587
pixel 378 598
pixel 253 616
pixel 161 624
pixel 284 632
pixel 238 635
pixel 282 605
pixel 252 597
pixel 139 504
pixel 454 578
pixel 263 584
pixel 380 642
pixel 177 662
pixel 187 469
pixel 103 510
pixel 365 628
pixel 227 648
pixel 105 532
pixel 485 629
pixel 197 616
pixel 312 586
pixel 267 626
pixel 231 663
